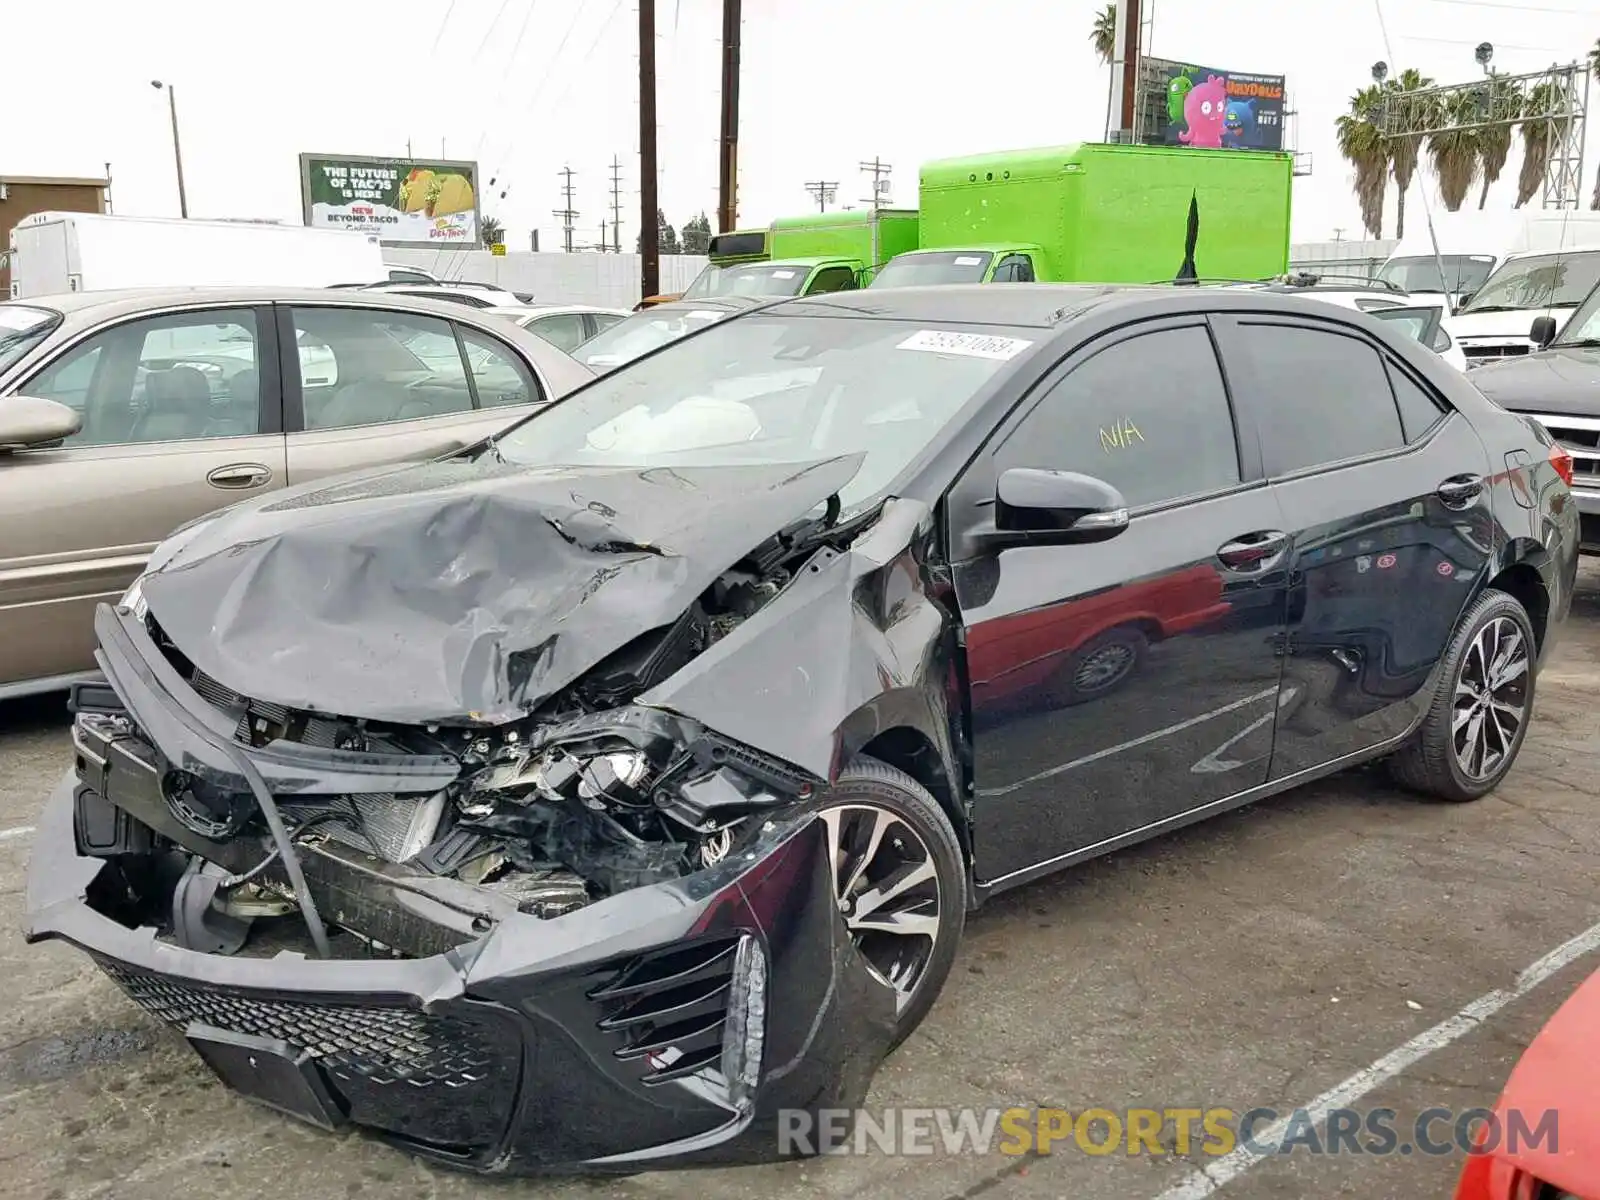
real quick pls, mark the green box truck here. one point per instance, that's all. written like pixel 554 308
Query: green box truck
pixel 805 255
pixel 1100 213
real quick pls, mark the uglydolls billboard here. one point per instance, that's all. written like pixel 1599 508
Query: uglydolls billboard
pixel 1223 110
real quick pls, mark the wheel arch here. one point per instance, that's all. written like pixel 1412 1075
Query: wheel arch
pixel 909 730
pixel 1519 571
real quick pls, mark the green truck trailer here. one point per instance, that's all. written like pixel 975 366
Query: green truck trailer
pixel 1099 213
pixel 805 255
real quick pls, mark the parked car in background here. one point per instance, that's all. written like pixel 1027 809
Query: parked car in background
pixel 641 332
pixel 1498 321
pixel 564 326
pixel 1559 386
pixel 474 295
pixel 125 414
pixel 649 759
pixel 1422 320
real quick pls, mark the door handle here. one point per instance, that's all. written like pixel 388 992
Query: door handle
pixel 1253 551
pixel 236 476
pixel 1459 490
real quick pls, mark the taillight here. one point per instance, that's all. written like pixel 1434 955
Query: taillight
pixel 1562 462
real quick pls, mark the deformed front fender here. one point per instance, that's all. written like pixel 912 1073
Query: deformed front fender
pixel 857 644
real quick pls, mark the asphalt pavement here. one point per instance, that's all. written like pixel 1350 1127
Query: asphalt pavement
pixel 1273 958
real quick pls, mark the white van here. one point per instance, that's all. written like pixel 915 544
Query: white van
pixel 1473 244
pixel 1497 322
pixel 81 252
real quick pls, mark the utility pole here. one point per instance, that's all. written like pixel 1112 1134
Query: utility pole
pixel 1125 66
pixel 649 211
pixel 823 192
pixel 177 148
pixel 568 215
pixel 616 206
pixel 879 170
pixel 604 244
pixel 728 186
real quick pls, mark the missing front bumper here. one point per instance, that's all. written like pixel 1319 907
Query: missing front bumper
pixel 598 1041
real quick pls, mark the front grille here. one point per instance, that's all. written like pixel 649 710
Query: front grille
pixel 382 1046
pixel 1490 353
pixel 670 1007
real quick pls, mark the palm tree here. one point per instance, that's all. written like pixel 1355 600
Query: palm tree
pixel 493 232
pixel 1494 141
pixel 1103 37
pixel 1363 146
pixel 1455 151
pixel 1414 113
pixel 1542 100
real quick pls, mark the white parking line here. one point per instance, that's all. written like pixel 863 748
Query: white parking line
pixel 1206 1180
pixel 19 831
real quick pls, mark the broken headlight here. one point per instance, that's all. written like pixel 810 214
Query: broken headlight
pixel 133 601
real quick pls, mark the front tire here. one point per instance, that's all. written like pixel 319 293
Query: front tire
pixel 1479 718
pixel 900 882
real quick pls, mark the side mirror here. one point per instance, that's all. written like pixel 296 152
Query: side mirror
pixel 1040 507
pixel 1464 300
pixel 27 421
pixel 1543 331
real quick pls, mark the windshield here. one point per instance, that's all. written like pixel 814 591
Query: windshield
pixel 641 333
pixel 1539 281
pixel 21 329
pixel 748 279
pixel 1584 327
pixel 1466 273
pixel 776 389
pixel 931 268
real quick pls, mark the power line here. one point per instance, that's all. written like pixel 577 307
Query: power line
pixel 444 24
pixel 1566 12
pixel 616 205
pixel 823 191
pixel 568 214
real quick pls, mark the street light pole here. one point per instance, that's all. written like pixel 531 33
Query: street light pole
pixel 177 146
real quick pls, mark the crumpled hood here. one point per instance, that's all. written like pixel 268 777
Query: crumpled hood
pixel 1561 381
pixel 460 590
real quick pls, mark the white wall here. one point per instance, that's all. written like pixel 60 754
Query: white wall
pixel 611 280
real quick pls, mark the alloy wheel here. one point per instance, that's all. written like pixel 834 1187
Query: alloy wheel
pixel 1103 668
pixel 1491 699
pixel 886 884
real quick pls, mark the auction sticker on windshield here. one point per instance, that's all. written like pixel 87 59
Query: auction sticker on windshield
pixel 973 345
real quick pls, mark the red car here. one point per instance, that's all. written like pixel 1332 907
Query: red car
pixel 1555 1073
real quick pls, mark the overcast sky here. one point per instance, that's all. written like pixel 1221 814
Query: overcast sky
pixel 526 87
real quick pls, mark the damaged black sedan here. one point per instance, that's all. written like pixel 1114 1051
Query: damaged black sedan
pixel 585 801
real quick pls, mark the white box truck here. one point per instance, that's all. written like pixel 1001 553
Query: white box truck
pixel 55 252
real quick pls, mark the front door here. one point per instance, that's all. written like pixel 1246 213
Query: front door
pixel 1118 685
pixel 370 387
pixel 1384 494
pixel 181 415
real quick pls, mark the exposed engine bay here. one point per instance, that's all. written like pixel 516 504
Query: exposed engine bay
pixel 588 796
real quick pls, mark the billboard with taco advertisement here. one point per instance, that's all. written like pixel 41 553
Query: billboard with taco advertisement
pixel 405 201
pixel 1219 110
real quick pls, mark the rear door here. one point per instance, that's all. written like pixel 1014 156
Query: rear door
pixel 371 386
pixel 182 414
pixel 1385 498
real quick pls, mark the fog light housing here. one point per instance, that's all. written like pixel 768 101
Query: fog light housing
pixel 745 1032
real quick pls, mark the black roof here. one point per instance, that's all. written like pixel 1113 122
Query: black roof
pixel 1042 305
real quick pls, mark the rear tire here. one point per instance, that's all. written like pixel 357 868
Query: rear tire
pixel 901 882
pixel 1479 717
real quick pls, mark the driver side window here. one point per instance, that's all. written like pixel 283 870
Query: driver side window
pixel 1148 415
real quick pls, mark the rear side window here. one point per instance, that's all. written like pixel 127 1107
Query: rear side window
pixel 1324 397
pixel 1419 412
pixel 1149 415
